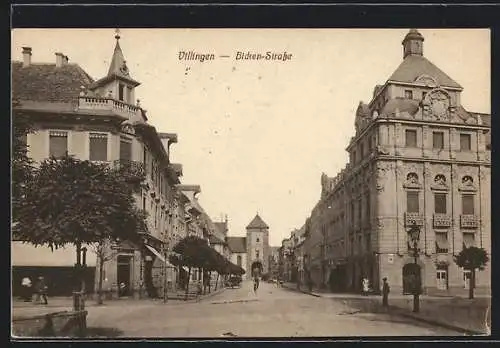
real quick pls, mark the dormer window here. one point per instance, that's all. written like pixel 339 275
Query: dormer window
pixel 121 92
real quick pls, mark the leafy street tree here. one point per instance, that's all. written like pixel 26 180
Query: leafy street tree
pixel 22 165
pixel 70 201
pixel 472 258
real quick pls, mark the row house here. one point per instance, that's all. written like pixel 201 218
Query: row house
pixel 417 157
pixel 102 121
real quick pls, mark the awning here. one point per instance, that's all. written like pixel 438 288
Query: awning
pixel 158 255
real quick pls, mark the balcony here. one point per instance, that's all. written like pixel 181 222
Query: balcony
pixel 133 169
pixel 108 105
pixel 468 221
pixel 413 218
pixel 441 220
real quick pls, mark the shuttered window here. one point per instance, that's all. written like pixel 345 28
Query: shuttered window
pixel 58 144
pixel 440 203
pixel 411 138
pixel 412 205
pixel 467 204
pixel 469 239
pixel 98 147
pixel 441 242
pixel 437 140
pixel 125 149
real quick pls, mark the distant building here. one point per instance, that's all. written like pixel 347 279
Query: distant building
pixel 252 250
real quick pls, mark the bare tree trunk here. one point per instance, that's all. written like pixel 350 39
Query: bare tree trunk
pixel 472 283
pixel 209 281
pixel 101 271
pixel 187 283
pixel 216 281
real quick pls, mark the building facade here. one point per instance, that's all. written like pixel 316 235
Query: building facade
pixel 417 157
pixel 101 121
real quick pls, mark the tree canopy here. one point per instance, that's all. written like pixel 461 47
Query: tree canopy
pixel 21 163
pixel 472 258
pixel 69 201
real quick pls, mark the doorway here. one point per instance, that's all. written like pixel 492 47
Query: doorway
pixel 467 279
pixel 442 279
pixel 123 275
pixel 411 278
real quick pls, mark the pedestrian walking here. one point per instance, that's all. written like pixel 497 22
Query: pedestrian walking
pixel 41 291
pixel 385 292
pixel 27 289
pixel 366 286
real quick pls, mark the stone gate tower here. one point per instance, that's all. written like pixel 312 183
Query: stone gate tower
pixel 257 244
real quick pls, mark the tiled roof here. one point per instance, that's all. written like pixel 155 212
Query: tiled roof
pixel 257 222
pixel 414 66
pixel 215 240
pixel 46 82
pixel 237 244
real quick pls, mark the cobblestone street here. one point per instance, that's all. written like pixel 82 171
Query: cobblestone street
pixel 272 312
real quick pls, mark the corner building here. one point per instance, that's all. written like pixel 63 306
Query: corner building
pixel 417 156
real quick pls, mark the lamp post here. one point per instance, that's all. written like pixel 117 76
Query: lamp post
pixel 414 234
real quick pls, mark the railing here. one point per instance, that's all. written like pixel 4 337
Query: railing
pixel 468 221
pixel 441 220
pixel 134 168
pixel 107 104
pixel 413 218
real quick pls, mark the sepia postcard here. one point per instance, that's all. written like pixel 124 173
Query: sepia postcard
pixel 250 183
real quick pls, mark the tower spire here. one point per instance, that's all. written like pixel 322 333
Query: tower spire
pixel 118 64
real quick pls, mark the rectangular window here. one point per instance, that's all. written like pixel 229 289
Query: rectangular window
pixel 144 203
pixel 437 140
pixel 465 142
pixel 129 95
pixel 257 254
pixel 412 205
pixel 58 144
pixel 441 242
pixel 125 149
pixel 440 203
pixel 469 239
pixel 423 95
pixel 467 204
pixel 408 94
pixel 411 138
pixel 98 147
pixel 120 92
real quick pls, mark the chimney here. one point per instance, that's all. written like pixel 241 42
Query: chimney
pixel 59 59
pixel 26 56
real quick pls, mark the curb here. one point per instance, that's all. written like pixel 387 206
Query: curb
pixel 398 311
pixel 204 297
pixel 438 323
pixel 303 291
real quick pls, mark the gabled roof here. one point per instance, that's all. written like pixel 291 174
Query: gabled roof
pixel 257 222
pixel 215 240
pixel 237 244
pixel 414 66
pixel 48 83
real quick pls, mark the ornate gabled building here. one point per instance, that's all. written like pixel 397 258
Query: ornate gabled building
pixel 100 121
pixel 417 157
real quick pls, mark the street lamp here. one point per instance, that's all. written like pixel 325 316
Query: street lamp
pixel 414 234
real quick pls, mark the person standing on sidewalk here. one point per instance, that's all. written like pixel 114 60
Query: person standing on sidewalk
pixel 41 290
pixel 366 286
pixel 385 292
pixel 27 289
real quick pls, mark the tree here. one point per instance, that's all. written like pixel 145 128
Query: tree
pixel 21 163
pixel 472 258
pixel 70 201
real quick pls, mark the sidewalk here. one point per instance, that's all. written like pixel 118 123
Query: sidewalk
pixel 59 304
pixel 456 313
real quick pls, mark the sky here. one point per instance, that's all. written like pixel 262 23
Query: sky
pixel 256 135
